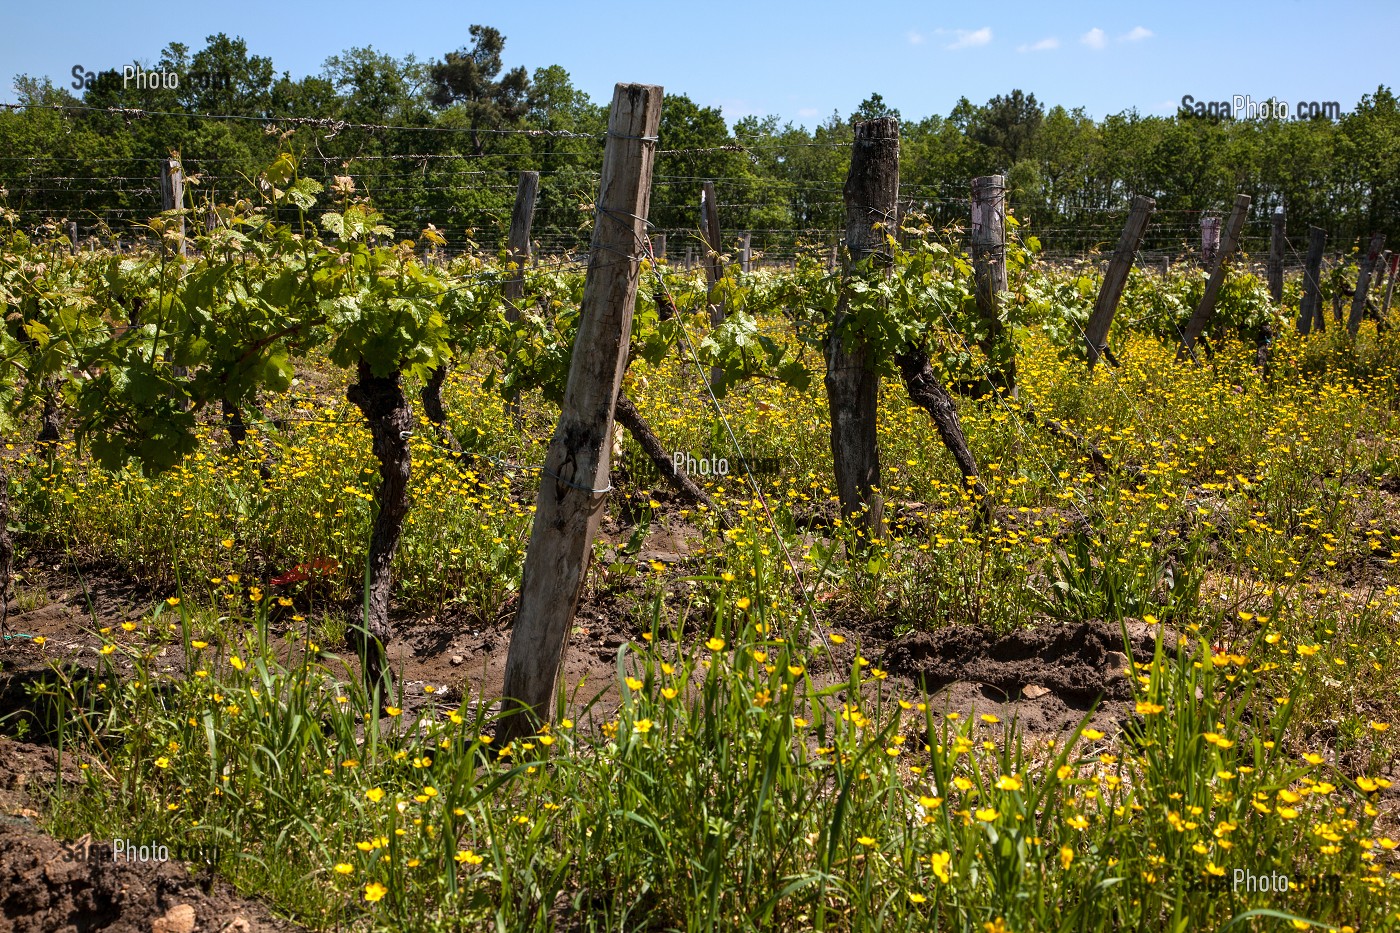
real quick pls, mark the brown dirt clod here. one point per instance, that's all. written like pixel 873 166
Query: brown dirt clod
pixel 47 887
pixel 1079 663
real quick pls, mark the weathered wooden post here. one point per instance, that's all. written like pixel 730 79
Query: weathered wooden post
pixel 1363 282
pixel 172 192
pixel 1276 239
pixel 1310 308
pixel 746 254
pixel 714 261
pixel 574 482
pixel 1210 240
pixel 73 237
pixel 518 241
pixel 1201 317
pixel 709 228
pixel 1381 287
pixel 658 247
pixel 1390 286
pixel 522 217
pixel 1114 280
pixel 852 380
pixel 989 271
pixel 689 258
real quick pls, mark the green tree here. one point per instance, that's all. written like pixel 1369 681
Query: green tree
pixel 1006 125
pixel 470 80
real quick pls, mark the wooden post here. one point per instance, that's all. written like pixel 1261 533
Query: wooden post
pixel 1206 308
pixel 73 237
pixel 714 261
pixel 658 246
pixel 746 254
pixel 574 481
pixel 1111 291
pixel 1380 287
pixel 709 228
pixel 1310 308
pixel 172 191
pixel 1276 238
pixel 1363 282
pixel 522 216
pixel 689 257
pixel 1210 240
pixel 989 269
pixel 1390 287
pixel 832 257
pixel 518 242
pixel 852 380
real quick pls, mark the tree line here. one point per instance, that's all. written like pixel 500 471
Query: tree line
pixel 442 141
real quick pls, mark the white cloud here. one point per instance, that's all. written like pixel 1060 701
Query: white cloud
pixel 916 38
pixel 1094 38
pixel 1137 35
pixel 967 40
pixel 734 108
pixel 1044 45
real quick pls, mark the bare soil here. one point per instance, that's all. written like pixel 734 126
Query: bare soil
pixel 51 886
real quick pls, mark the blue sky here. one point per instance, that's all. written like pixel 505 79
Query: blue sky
pixel 797 61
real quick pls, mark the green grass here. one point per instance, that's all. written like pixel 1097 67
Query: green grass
pixel 727 792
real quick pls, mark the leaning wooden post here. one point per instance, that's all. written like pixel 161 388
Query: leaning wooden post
pixel 518 249
pixel 574 482
pixel 1276 238
pixel 1363 282
pixel 1390 287
pixel 1310 308
pixel 852 380
pixel 1210 240
pixel 989 270
pixel 1114 280
pixel 1206 308
pixel 172 192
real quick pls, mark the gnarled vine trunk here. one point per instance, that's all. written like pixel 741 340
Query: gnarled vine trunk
pixel 386 408
pixel 238 433
pixel 627 415
pixel 926 391
pixel 431 395
pixel 51 424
